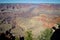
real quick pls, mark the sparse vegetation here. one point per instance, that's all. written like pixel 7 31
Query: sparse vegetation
pixel 45 35
pixel 29 35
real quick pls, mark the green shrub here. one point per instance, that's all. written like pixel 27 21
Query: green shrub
pixel 17 38
pixel 45 35
pixel 28 35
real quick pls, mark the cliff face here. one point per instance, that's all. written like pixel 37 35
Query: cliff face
pixel 35 17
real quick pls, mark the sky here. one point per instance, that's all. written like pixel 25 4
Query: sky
pixel 30 1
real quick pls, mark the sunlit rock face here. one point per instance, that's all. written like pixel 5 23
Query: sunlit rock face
pixel 34 17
